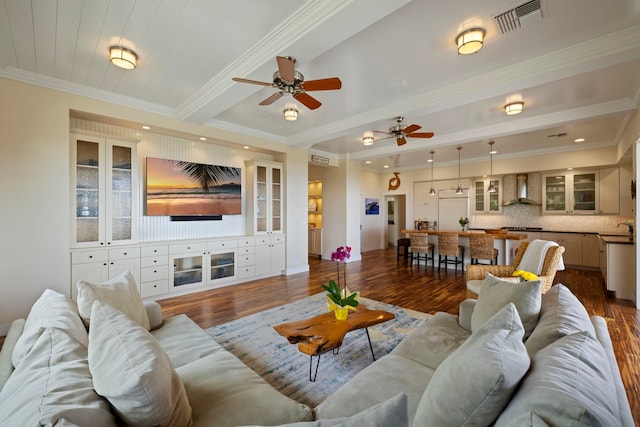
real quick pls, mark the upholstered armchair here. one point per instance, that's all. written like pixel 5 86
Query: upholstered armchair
pixel 476 273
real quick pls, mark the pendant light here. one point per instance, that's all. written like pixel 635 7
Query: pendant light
pixel 432 192
pixel 492 188
pixel 459 189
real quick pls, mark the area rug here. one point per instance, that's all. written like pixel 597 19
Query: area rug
pixel 259 346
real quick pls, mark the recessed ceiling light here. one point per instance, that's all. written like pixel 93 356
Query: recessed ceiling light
pixel 578 140
pixel 569 169
pixel 202 138
pixel 146 127
pixel 246 147
pixel 386 166
pixel 368 162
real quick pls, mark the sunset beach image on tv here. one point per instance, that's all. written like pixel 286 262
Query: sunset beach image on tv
pixel 178 188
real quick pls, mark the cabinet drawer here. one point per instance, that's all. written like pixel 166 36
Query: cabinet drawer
pixel 89 256
pixel 124 253
pixel 260 241
pixel 248 241
pixel 221 244
pixel 244 260
pixel 157 287
pixel 246 272
pixel 246 250
pixel 181 248
pixel 149 274
pixel 154 261
pixel 154 250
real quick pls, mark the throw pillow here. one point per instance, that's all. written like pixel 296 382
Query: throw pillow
pixel 496 293
pixel 477 380
pixel 133 373
pixel 561 314
pixel 569 383
pixel 51 310
pixel 53 382
pixel 120 292
pixel 392 412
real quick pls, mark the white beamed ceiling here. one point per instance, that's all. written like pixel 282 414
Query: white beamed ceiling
pixel 577 69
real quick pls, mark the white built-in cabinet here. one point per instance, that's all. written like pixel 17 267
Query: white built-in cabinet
pixel 100 265
pixel 270 255
pixel 104 178
pixel 264 197
pixel 485 202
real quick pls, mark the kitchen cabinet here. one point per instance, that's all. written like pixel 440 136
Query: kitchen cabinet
pixel 609 191
pixel 485 202
pixel 105 191
pixel 590 251
pixel 264 197
pixel 571 193
pixel 617 263
pixel 270 255
pixel 572 243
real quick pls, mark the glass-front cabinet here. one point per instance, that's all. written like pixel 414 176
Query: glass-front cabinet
pixel 486 202
pixel 264 197
pixel 571 193
pixel 104 178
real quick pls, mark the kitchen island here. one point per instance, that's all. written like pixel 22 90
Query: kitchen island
pixel 504 242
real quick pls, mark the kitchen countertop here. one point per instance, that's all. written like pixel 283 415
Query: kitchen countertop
pixel 623 240
pixel 506 236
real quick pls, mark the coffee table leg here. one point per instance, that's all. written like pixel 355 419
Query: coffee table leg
pixel 313 378
pixel 370 346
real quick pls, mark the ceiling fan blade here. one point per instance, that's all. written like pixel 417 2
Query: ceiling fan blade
pixel 421 135
pixel 287 68
pixel 410 129
pixel 332 83
pixel 253 82
pixel 400 140
pixel 309 101
pixel 381 131
pixel 270 100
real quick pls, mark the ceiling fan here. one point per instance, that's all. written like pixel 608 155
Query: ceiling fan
pixel 401 132
pixel 290 81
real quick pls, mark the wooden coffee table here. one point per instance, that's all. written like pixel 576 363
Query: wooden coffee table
pixel 322 333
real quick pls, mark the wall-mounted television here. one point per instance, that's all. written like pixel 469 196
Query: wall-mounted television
pixel 192 190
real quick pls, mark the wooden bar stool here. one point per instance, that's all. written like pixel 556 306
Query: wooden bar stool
pixel 420 245
pixel 448 246
pixel 403 243
pixel 481 247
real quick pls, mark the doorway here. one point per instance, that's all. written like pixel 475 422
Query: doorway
pixel 395 220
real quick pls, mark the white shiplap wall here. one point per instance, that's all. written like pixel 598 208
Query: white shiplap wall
pixel 160 228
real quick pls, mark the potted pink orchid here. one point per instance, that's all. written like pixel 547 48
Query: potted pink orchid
pixel 341 300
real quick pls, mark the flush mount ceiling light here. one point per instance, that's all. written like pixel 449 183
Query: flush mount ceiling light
pixel 290 112
pixel 432 192
pixel 470 41
pixel 514 108
pixel 459 189
pixel 368 138
pixel 492 188
pixel 123 58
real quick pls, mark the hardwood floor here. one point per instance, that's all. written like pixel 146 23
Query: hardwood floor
pixel 380 277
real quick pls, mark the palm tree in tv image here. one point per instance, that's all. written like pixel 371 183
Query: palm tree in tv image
pixel 208 175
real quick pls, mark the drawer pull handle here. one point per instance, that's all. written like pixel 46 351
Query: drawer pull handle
pixel 90 256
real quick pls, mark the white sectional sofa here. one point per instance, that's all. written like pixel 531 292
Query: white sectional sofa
pixel 511 358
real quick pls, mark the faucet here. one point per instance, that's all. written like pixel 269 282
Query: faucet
pixel 628 225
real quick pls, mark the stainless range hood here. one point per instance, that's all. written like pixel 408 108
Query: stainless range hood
pixel 521 193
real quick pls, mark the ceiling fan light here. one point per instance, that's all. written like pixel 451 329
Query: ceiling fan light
pixel 123 58
pixel 368 138
pixel 470 41
pixel 514 108
pixel 290 113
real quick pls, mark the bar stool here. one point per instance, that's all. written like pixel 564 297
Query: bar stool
pixel 420 245
pixel 448 246
pixel 403 243
pixel 481 247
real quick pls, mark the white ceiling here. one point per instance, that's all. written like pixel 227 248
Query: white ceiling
pixel 577 68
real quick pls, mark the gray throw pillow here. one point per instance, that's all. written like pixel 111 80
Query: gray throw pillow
pixel 474 384
pixel 496 293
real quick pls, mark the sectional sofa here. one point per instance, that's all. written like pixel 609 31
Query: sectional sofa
pixel 512 357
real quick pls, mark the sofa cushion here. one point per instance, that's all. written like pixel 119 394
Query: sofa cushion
pixel 392 412
pixel 51 384
pixel 132 372
pixel 224 392
pixel 475 383
pixel 51 310
pixel 569 384
pixel 496 293
pixel 433 340
pixel 528 420
pixel 561 314
pixel 120 292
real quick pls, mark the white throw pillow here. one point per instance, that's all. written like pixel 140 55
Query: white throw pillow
pixel 133 373
pixel 51 310
pixel 474 384
pixel 120 292
pixel 52 383
pixel 496 293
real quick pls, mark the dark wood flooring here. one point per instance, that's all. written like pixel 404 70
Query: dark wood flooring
pixel 381 277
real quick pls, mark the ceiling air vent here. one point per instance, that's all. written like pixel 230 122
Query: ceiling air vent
pixel 518 16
